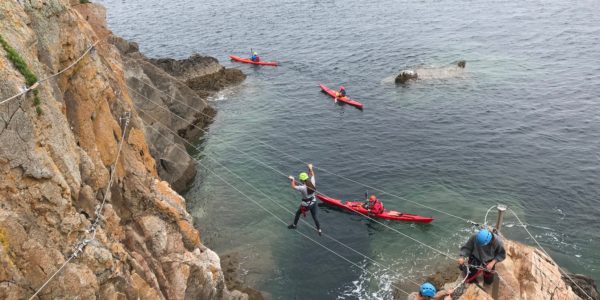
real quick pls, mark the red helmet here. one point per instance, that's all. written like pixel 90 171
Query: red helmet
pixel 342 88
pixel 372 198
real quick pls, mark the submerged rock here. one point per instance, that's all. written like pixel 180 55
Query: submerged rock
pixel 431 73
pixel 406 75
pixel 233 277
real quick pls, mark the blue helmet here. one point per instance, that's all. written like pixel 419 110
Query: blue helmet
pixel 427 290
pixel 484 237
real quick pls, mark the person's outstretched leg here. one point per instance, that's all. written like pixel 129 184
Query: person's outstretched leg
pixel 313 213
pixel 296 218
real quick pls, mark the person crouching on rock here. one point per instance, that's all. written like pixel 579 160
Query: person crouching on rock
pixel 427 291
pixel 309 202
pixel 484 250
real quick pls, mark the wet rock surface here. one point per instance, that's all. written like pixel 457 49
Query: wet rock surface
pixel 428 73
pixel 163 87
pixel 234 277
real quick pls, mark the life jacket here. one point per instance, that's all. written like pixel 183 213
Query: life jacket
pixel 377 207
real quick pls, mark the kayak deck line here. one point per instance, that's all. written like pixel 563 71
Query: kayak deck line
pixel 357 207
pixel 249 61
pixel 344 99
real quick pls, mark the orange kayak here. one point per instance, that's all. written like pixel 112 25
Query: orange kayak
pixel 249 61
pixel 344 99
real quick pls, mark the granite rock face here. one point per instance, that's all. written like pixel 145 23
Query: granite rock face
pixel 55 167
pixel 526 273
pixel 171 97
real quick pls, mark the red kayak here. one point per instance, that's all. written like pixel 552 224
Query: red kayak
pixel 249 61
pixel 344 99
pixel 386 214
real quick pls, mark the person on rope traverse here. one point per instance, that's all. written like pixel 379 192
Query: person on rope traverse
pixel 341 93
pixel 374 206
pixel 309 202
pixel 255 57
pixel 427 291
pixel 483 250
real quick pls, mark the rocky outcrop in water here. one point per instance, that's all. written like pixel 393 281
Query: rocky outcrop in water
pixel 203 74
pixel 431 73
pixel 527 273
pixel 157 83
pixel 55 167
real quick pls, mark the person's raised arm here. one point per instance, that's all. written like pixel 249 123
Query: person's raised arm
pixel 311 172
pixel 292 181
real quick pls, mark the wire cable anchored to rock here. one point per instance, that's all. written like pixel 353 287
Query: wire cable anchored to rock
pixel 80 246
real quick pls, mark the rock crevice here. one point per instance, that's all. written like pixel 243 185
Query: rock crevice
pixel 55 166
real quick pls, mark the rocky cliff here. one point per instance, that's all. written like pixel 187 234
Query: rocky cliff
pixel 526 273
pixel 59 143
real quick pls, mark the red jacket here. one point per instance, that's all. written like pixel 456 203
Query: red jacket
pixel 377 207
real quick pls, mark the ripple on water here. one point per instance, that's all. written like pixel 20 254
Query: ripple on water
pixel 520 127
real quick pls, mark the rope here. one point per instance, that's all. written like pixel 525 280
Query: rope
pixel 455 289
pixel 274 201
pixel 369 186
pixel 299 232
pixel 23 92
pixel 485 223
pixel 544 250
pixel 90 48
pixel 304 221
pixel 82 244
pixel 98 211
pixel 37 83
pixel 283 174
pixel 299 160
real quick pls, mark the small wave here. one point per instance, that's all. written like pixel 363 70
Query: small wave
pixel 371 285
pixel 220 96
pixel 562 214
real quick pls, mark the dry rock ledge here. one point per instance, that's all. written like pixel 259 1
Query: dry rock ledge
pixel 56 155
pixel 527 273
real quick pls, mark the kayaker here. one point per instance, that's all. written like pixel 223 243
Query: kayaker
pixel 255 57
pixel 307 188
pixel 374 205
pixel 483 250
pixel 342 92
pixel 428 291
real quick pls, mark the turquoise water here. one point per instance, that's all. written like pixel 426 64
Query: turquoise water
pixel 519 127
